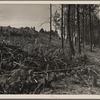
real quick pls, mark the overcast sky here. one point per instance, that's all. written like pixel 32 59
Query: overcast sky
pixel 21 15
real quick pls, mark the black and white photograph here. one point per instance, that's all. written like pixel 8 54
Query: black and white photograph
pixel 51 49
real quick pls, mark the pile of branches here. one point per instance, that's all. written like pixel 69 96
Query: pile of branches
pixel 24 73
pixel 21 72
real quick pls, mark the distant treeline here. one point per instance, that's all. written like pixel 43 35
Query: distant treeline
pixel 23 31
pixel 53 33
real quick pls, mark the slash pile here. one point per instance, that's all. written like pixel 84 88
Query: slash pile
pixel 25 73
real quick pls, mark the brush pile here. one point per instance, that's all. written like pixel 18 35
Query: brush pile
pixel 25 73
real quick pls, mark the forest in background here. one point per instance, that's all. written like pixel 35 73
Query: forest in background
pixel 61 61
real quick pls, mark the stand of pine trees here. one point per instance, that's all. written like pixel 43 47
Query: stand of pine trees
pixel 82 26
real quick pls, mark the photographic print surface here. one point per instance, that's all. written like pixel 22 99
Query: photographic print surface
pixel 50 49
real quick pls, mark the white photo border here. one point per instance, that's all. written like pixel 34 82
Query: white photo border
pixel 49 97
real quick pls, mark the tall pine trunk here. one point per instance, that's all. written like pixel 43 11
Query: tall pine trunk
pixel 83 28
pixel 62 30
pixel 50 21
pixel 78 22
pixel 90 28
pixel 74 25
pixel 86 26
pixel 69 33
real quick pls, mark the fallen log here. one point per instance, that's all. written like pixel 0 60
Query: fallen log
pixel 41 72
pixel 58 70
